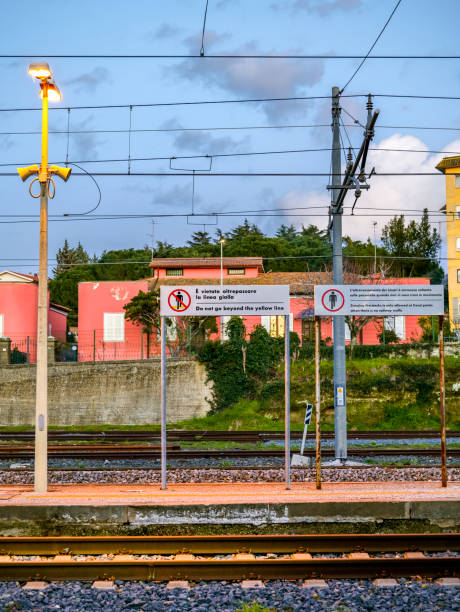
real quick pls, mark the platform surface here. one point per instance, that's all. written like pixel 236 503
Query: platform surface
pixel 228 494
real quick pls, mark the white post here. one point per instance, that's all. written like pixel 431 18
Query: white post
pixel 163 401
pixel 287 404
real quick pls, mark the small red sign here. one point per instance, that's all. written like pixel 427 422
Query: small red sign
pixel 333 300
pixel 179 300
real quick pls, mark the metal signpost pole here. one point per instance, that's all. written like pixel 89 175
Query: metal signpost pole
pixel 340 395
pixel 287 404
pixel 163 401
pixel 317 403
pixel 442 402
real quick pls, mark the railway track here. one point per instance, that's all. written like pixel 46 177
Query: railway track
pixel 178 435
pixel 265 557
pixel 153 452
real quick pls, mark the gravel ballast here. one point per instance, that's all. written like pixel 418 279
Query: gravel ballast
pixel 140 476
pixel 344 595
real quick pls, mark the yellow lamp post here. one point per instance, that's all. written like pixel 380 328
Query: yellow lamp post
pixel 48 91
pixel 222 242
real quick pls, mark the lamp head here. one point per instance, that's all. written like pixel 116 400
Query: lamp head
pixel 40 70
pixel 62 173
pixel 222 241
pixel 54 93
pixel 28 171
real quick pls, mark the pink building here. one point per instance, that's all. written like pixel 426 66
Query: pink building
pixel 104 334
pixel 18 313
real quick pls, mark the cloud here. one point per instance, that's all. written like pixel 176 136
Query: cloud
pixel 85 145
pixel 322 7
pixel 388 195
pixel 164 31
pixel 6 143
pixel 258 78
pixel 179 195
pixel 90 81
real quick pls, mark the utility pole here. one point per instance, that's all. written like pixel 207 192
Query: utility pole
pixel 339 190
pixel 338 321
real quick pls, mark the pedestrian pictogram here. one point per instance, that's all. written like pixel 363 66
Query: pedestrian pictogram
pixel 179 300
pixel 333 300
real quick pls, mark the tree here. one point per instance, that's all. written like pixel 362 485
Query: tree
pixel 144 310
pixel 286 232
pixel 67 256
pixel 416 244
pixel 199 239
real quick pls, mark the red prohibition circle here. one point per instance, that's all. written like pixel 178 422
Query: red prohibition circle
pixel 172 295
pixel 333 309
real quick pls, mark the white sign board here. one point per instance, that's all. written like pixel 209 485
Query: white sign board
pixel 226 300
pixel 380 300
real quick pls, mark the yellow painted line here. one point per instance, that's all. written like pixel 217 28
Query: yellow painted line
pixel 239 495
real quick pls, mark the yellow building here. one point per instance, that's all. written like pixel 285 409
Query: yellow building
pixel 450 166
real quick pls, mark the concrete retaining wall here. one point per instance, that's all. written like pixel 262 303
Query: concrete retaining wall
pixel 109 393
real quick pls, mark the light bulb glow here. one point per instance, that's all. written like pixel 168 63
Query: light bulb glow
pixel 39 71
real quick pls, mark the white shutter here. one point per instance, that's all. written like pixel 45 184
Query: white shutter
pixel 1 325
pixel 226 319
pixel 114 327
pixel 347 332
pixel 265 322
pixel 400 327
pixel 291 322
pixel 389 323
pixel 171 331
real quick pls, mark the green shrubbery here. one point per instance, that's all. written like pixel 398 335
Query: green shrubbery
pixel 240 368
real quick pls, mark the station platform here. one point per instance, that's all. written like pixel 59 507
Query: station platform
pixel 228 508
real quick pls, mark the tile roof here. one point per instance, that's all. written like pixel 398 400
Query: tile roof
pixel 301 283
pixel 206 262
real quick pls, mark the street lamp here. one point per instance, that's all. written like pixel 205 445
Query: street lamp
pixel 49 91
pixel 222 242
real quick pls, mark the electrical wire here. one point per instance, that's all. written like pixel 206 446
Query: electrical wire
pixel 370 50
pixel 203 31
pixel 98 189
pixel 230 128
pixel 229 101
pixel 270 56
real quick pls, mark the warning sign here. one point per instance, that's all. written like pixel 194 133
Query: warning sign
pixel 226 300
pixel 179 300
pixel 379 300
pixel 333 300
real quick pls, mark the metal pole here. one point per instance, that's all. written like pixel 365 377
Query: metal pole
pixel 28 349
pixel 442 402
pixel 317 403
pixel 340 399
pixel 41 406
pixel 221 283
pixel 163 402
pixel 142 344
pixel 287 404
pixel 375 251
pixel 94 345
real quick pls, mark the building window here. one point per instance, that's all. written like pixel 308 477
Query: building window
pixel 458 244
pixel 236 271
pixel 308 330
pixel 114 327
pixel 175 272
pixel 457 180
pixel 458 277
pixel 396 324
pixel 457 212
pixel 1 325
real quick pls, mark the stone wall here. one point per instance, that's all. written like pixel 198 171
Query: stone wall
pixel 105 393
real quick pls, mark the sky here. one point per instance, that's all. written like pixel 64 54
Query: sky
pixel 95 138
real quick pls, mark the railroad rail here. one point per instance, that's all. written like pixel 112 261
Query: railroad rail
pixel 265 557
pixel 153 452
pixel 178 435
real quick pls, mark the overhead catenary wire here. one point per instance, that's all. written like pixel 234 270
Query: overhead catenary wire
pixel 372 46
pixel 231 101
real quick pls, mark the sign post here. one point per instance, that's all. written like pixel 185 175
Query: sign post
pixel 389 300
pixel 317 403
pixel 442 402
pixel 225 300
